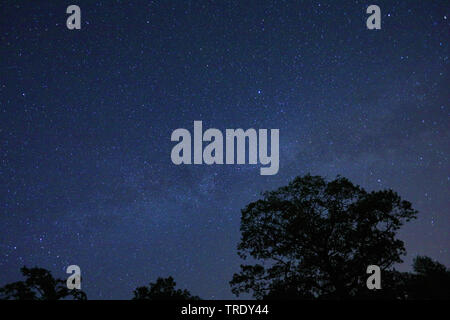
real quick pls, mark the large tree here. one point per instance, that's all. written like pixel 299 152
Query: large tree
pixel 315 238
pixel 162 289
pixel 39 285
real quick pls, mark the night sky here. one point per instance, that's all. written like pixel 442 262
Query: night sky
pixel 86 118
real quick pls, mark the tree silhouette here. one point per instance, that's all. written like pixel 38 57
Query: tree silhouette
pixel 162 289
pixel 39 285
pixel 315 238
pixel 431 280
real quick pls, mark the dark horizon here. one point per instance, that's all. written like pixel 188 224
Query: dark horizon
pixel 86 118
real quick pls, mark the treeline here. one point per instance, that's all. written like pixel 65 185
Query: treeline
pixel 429 280
pixel 311 239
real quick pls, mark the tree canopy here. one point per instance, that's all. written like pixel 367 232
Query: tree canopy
pixel 315 238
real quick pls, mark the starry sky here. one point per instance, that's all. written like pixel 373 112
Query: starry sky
pixel 86 118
